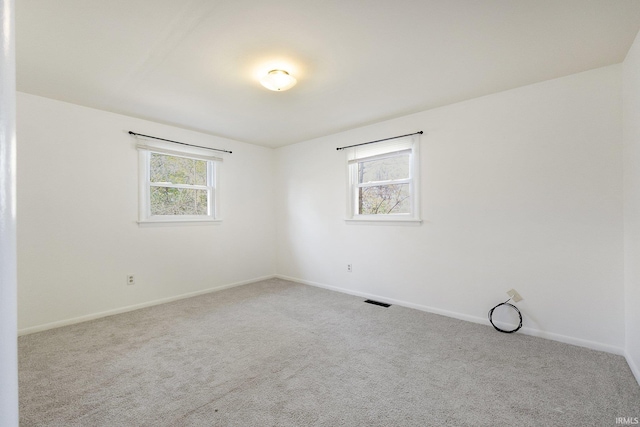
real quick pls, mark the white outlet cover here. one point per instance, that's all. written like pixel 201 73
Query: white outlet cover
pixel 515 296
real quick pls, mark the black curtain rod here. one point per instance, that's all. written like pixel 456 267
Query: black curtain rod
pixel 176 142
pixel 380 140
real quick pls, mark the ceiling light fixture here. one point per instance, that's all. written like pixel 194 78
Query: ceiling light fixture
pixel 278 80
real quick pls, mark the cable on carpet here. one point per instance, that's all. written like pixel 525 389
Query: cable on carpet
pixel 510 305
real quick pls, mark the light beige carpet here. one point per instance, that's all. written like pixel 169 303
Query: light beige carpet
pixel 276 353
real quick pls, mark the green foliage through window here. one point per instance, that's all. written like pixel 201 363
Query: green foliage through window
pixel 384 199
pixel 178 185
pixel 178 170
pixel 383 186
pixel 178 201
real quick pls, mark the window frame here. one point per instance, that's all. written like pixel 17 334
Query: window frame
pixel 385 150
pixel 145 185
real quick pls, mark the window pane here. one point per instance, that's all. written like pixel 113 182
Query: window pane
pixel 384 169
pixel 178 170
pixel 384 199
pixel 178 201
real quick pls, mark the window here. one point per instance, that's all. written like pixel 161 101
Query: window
pixel 383 181
pixel 177 186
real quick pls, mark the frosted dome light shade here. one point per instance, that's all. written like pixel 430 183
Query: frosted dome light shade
pixel 278 80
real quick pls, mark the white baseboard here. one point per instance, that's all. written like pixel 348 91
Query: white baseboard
pixel 633 366
pixel 525 330
pixel 66 322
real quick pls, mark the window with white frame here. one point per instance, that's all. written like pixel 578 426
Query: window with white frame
pixel 383 181
pixel 177 186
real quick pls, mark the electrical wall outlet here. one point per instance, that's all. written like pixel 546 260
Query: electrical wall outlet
pixel 515 296
pixel 131 279
pixel 349 268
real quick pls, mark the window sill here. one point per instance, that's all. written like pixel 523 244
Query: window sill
pixel 177 222
pixel 384 221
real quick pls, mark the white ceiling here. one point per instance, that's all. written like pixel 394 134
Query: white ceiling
pixel 194 63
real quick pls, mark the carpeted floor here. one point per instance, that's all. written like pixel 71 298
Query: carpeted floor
pixel 277 353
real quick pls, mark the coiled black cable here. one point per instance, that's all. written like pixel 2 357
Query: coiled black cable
pixel 510 305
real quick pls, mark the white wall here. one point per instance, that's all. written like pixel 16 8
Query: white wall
pixel 631 132
pixel 520 189
pixel 77 211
